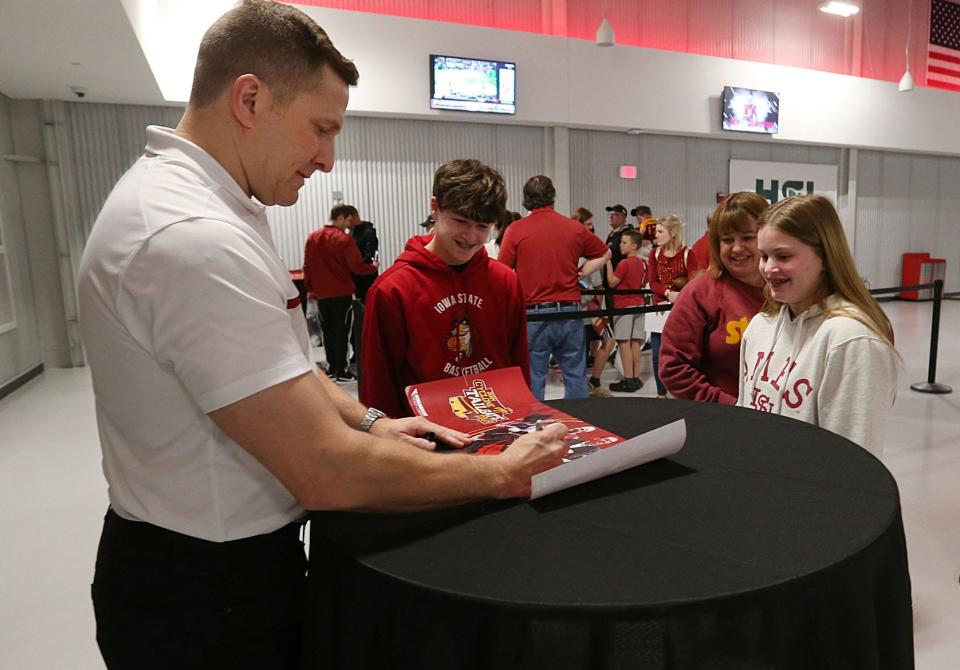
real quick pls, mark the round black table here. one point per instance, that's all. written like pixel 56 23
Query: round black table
pixel 765 543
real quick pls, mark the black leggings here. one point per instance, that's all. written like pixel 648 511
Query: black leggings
pixel 165 600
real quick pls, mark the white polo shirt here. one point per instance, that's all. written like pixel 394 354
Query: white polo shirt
pixel 185 307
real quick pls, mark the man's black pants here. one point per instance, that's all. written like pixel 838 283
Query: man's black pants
pixel 333 322
pixel 165 600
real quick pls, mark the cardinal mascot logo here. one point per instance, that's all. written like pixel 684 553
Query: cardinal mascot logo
pixel 458 341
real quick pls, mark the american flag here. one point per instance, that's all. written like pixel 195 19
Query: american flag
pixel 943 54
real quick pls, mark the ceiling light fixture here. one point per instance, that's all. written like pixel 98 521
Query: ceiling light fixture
pixel 605 31
pixel 906 81
pixel 841 7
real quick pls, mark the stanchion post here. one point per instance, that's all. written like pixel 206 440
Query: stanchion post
pixel 931 385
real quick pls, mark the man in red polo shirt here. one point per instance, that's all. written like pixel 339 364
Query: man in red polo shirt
pixel 544 248
pixel 329 259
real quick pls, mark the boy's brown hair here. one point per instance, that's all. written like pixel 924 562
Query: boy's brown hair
pixel 470 189
pixel 343 210
pixel 278 43
pixel 634 236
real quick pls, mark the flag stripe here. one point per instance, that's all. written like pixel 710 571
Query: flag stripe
pixel 944 85
pixel 954 74
pixel 944 79
pixel 944 57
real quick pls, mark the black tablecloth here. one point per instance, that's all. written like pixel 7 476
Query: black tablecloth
pixel 765 543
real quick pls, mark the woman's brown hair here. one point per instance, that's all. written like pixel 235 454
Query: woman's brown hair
pixel 738 212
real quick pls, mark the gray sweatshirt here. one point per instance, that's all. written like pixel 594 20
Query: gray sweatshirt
pixel 834 372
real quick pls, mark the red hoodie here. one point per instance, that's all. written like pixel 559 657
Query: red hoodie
pixel 700 345
pixel 424 321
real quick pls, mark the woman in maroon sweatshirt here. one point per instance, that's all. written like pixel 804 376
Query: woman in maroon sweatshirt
pixel 700 346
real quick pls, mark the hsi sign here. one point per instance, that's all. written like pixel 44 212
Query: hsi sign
pixel 790 189
pixel 776 181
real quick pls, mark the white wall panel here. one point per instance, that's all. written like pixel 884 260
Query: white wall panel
pixel 679 175
pixel 907 203
pixel 19 347
pixel 106 140
pixel 948 220
pixel 869 219
pixel 385 168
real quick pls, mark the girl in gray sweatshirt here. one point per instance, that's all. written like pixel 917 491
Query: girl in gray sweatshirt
pixel 821 350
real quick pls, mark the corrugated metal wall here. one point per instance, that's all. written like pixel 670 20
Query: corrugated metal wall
pixel 679 175
pixel 106 140
pixel 385 169
pixel 907 203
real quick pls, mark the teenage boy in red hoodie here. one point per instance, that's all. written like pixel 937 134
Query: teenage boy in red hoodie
pixel 444 309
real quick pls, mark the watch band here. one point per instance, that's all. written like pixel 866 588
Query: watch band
pixel 372 415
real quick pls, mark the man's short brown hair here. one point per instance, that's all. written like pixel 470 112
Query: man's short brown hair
pixel 278 43
pixel 470 189
pixel 343 210
pixel 538 192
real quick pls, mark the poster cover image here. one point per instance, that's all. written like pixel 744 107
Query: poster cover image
pixel 496 408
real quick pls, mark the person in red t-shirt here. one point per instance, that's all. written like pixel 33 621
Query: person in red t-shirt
pixel 700 351
pixel 544 248
pixel 444 309
pixel 628 328
pixel 669 261
pixel 329 258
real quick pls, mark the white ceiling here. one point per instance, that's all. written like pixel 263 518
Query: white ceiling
pixel 46 46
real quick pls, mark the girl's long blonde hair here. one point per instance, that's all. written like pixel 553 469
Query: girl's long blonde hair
pixel 813 220
pixel 674 226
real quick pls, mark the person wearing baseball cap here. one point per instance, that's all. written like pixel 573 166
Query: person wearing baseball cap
pixel 618 224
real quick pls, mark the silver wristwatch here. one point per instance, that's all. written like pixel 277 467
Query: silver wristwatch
pixel 372 415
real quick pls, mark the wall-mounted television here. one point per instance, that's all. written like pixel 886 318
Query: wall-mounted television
pixel 473 85
pixel 750 110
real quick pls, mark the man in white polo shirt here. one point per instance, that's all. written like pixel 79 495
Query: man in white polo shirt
pixel 217 434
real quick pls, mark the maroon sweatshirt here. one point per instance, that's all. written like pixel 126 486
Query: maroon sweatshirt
pixel 425 320
pixel 700 345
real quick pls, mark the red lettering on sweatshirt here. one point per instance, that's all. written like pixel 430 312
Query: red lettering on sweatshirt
pixel 794 396
pixel 776 382
pixel 761 401
pixel 798 398
pixel 766 367
pixel 756 365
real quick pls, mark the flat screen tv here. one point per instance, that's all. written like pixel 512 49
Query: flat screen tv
pixel 473 85
pixel 751 111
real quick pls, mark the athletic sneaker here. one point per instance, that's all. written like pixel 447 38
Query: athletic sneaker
pixel 598 391
pixel 624 386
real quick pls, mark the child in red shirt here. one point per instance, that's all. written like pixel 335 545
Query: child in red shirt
pixel 631 273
